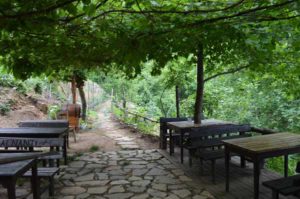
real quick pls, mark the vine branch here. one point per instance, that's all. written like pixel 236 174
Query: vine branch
pixel 227 72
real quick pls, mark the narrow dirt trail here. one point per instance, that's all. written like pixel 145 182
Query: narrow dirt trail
pixel 109 135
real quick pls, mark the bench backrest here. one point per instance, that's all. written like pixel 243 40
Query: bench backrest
pixel 163 131
pixel 31 142
pixel 45 125
pixel 210 136
pixel 163 120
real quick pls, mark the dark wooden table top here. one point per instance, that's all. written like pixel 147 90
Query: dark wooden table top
pixel 32 132
pixel 14 168
pixel 266 143
pixel 190 124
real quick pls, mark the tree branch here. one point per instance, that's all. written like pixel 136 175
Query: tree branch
pixel 227 72
pixel 38 12
pixel 242 13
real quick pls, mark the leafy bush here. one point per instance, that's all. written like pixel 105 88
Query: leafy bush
pixel 11 102
pixel 4 108
pixel 52 111
pixel 21 88
pixel 94 148
pixel 7 80
pixel 38 88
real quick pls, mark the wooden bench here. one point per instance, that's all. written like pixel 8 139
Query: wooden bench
pixel 164 132
pixel 206 142
pixel 9 172
pixel 285 186
pixel 31 143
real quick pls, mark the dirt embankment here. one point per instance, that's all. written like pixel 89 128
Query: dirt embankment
pixel 20 107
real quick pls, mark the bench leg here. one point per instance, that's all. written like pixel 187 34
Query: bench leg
pixel 190 158
pixel 201 166
pixel 51 186
pixel 171 147
pixel 275 194
pixel 65 150
pixel 44 163
pixel 11 189
pixel 243 162
pixel 51 162
pixel 35 185
pixel 213 173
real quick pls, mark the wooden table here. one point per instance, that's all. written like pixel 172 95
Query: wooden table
pixel 45 123
pixel 183 127
pixel 258 148
pixel 10 171
pixel 33 132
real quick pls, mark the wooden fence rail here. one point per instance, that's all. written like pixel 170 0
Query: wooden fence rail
pixel 136 115
pixel 263 131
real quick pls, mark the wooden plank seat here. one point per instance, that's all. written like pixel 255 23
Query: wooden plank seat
pixel 206 143
pixel 285 186
pixel 32 143
pixel 164 132
pixel 45 172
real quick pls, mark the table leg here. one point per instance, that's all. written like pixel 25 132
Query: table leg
pixel 256 178
pixel 286 166
pixel 171 142
pixel 243 162
pixel 11 189
pixel 227 157
pixel 181 147
pixel 35 185
pixel 51 163
pixel 65 150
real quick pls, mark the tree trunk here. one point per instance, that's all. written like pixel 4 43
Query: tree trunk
pixel 124 103
pixel 177 101
pixel 73 89
pixel 83 101
pixel 200 86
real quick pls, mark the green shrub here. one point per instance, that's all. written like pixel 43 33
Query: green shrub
pixel 94 148
pixel 52 111
pixel 11 102
pixel 4 108
pixel 38 88
pixel 21 88
pixel 7 80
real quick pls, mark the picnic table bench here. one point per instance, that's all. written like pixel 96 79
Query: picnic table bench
pixel 42 172
pixel 14 165
pixel 258 148
pixel 185 127
pixel 46 124
pixel 205 142
pixel 164 132
pixel 285 186
pixel 33 132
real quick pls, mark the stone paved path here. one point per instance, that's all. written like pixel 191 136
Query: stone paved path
pixel 134 174
pixel 131 171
